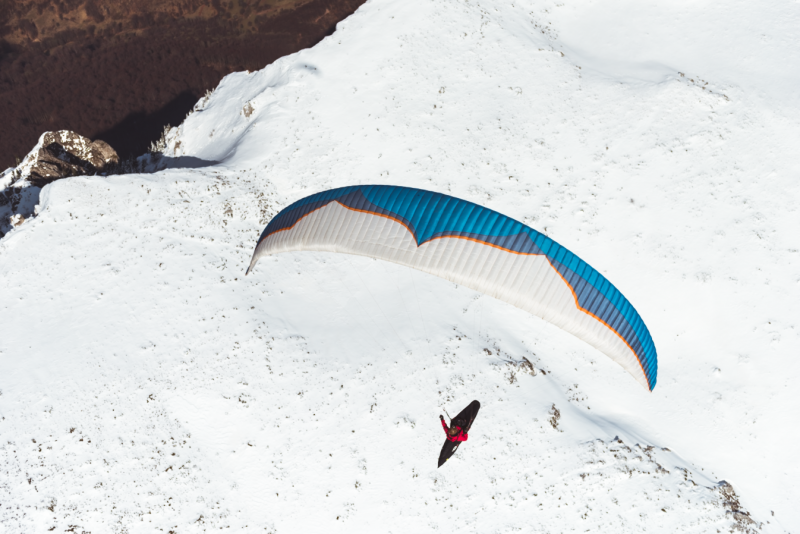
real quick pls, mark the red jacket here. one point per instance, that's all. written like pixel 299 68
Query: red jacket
pixel 461 436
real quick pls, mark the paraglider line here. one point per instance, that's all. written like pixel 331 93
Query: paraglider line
pixel 349 291
pixel 400 293
pixel 416 296
pixel 377 305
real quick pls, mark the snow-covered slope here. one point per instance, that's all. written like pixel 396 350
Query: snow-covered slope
pixel 147 385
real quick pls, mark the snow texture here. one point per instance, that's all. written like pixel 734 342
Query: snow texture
pixel 147 386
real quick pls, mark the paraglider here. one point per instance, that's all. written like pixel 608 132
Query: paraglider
pixel 454 432
pixel 458 430
pixel 473 246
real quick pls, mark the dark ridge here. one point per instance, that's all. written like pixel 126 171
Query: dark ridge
pixel 122 71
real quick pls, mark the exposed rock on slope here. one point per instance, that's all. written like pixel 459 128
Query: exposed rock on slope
pixel 66 153
pixel 57 155
pixel 121 71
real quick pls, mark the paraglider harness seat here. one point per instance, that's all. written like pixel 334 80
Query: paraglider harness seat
pixel 453 433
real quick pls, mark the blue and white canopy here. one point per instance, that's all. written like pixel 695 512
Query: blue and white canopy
pixel 475 247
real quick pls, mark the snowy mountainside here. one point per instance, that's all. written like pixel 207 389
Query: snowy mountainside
pixel 148 385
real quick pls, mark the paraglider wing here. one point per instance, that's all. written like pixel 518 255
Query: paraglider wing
pixel 475 247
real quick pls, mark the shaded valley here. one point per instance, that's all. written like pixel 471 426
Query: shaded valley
pixel 121 71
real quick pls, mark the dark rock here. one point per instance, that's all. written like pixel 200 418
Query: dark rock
pixel 64 153
pixel 57 155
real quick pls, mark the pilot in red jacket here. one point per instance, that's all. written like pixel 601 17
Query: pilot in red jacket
pixel 454 433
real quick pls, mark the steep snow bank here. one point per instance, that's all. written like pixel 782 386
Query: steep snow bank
pixel 147 384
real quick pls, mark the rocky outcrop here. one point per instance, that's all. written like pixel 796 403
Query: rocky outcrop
pixel 17 204
pixel 57 155
pixel 64 153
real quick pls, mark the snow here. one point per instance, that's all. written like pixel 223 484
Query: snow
pixel 147 385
